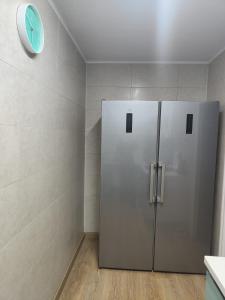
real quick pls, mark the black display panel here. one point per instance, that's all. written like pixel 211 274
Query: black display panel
pixel 189 123
pixel 129 121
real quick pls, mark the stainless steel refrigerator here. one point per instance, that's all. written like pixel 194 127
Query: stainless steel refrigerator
pixel 157 184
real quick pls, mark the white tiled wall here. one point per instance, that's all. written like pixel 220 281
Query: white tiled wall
pixel 42 113
pixel 216 91
pixel 126 81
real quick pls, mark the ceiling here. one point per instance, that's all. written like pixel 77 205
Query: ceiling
pixel 145 30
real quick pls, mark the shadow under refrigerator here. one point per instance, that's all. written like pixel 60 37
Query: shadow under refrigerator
pixel 157 184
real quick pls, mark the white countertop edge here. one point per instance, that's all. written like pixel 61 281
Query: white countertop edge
pixel 216 268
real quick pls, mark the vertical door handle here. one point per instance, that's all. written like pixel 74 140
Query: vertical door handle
pixel 152 183
pixel 160 198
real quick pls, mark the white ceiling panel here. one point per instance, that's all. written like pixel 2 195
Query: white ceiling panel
pixel 146 30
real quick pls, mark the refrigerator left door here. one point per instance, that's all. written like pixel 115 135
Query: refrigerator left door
pixel 129 142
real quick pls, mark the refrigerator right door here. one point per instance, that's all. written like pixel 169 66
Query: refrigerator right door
pixel 187 158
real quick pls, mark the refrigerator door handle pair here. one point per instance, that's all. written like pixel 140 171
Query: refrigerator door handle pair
pixel 152 191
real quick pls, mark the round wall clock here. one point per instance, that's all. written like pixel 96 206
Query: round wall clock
pixel 30 27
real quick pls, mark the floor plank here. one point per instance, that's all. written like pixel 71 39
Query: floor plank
pixel 87 282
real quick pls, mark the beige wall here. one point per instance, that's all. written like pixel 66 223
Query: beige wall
pixel 216 91
pixel 125 81
pixel 41 158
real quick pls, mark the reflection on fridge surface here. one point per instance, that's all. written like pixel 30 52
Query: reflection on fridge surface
pixel 157 183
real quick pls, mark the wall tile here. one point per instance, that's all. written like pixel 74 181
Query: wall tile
pixel 217 238
pixel 95 94
pixel 154 94
pixel 25 250
pixel 10 155
pixel 91 214
pixel 92 163
pixel 194 94
pixel 11 89
pixel 45 247
pixel 153 75
pixel 92 186
pixel 193 75
pixel 109 75
pixel 70 83
pixel 93 140
pixel 216 79
pixel 68 53
pixel 93 119
pixel 42 141
pixel 216 91
pixel 21 201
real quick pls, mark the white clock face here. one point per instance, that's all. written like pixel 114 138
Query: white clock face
pixel 30 27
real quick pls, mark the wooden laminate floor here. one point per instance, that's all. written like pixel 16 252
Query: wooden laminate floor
pixel 87 282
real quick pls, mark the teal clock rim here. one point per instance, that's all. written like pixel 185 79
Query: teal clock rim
pixel 21 25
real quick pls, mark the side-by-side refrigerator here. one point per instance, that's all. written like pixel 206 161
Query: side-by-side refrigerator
pixel 157 184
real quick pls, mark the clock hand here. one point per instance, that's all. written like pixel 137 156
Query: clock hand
pixel 29 22
pixel 32 19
